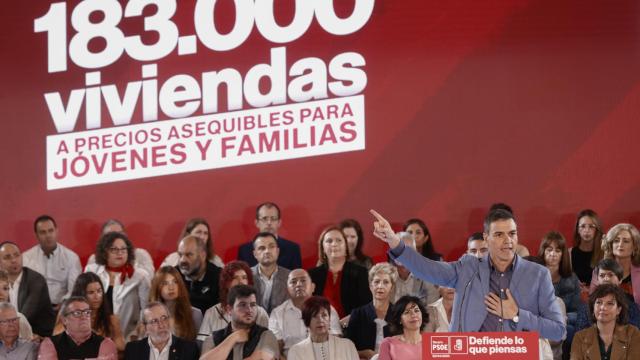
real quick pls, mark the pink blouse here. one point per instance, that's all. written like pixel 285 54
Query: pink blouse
pixel 392 348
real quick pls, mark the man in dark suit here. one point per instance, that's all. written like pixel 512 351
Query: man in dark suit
pixel 268 220
pixel 29 292
pixel 160 342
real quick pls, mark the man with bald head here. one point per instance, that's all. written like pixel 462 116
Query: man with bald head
pixel 286 320
pixel 199 275
pixel 29 292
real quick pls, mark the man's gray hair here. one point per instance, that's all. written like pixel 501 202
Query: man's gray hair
pixel 65 304
pixel 151 305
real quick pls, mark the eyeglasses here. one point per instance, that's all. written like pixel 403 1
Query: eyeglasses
pixel 116 250
pixel 266 219
pixel 79 313
pixel 161 320
pixel 11 321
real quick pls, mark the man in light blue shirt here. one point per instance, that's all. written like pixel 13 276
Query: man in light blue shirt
pixel 11 346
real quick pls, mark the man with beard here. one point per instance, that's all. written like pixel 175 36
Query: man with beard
pixel 160 343
pixel 242 338
pixel 269 278
pixel 286 320
pixel 200 276
pixel 77 341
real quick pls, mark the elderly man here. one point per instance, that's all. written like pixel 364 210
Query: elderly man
pixel 286 320
pixel 268 219
pixel 242 338
pixel 498 293
pixel 270 279
pixel 160 343
pixel 407 284
pixel 13 347
pixel 200 276
pixel 59 265
pixel 77 341
pixel 29 292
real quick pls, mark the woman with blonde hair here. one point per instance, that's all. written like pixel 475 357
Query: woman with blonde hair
pixel 622 243
pixel 168 288
pixel 368 323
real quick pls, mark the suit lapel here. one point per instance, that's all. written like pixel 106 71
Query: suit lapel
pixel 24 283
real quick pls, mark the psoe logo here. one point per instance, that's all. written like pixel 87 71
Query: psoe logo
pixel 459 345
pixel 440 345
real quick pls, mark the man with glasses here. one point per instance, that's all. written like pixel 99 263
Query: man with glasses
pixel 268 219
pixel 29 292
pixel 77 341
pixel 13 347
pixel 242 338
pixel 160 344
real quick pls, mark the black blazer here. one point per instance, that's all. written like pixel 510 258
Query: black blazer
pixel 362 326
pixel 180 349
pixel 354 288
pixel 34 302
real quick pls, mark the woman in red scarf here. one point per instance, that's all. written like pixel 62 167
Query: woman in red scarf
pixel 127 287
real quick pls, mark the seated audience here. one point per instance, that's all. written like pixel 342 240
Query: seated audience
pixel 424 244
pixel 553 252
pixel 160 343
pixel 408 319
pixel 12 345
pixel 168 288
pixel 270 278
pixel 77 341
pixel 342 282
pixel 199 275
pixel 610 337
pixel 441 311
pixel 242 338
pixel 368 324
pixel 355 239
pixel 587 249
pixel 217 317
pixel 142 260
pixel 197 227
pixel 622 243
pixel 407 284
pixel 59 265
pixel 477 245
pixel 286 322
pixel 127 286
pixel 29 292
pixel 321 344
pixel 25 329
pixel 268 219
pixel 103 321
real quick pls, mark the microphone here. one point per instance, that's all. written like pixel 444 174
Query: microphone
pixel 464 294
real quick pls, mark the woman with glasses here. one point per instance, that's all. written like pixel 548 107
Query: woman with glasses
pixel 610 337
pixel 587 252
pixel 622 243
pixel 103 321
pixel 127 287
pixel 168 288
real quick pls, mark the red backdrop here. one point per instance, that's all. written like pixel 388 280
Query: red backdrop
pixel 532 103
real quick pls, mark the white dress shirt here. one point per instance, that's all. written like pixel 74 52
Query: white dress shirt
pixel 13 292
pixel 286 324
pixel 163 354
pixel 60 269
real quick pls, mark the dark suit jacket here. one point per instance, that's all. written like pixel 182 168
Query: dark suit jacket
pixel 354 288
pixel 180 349
pixel 34 302
pixel 289 257
pixel 362 327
